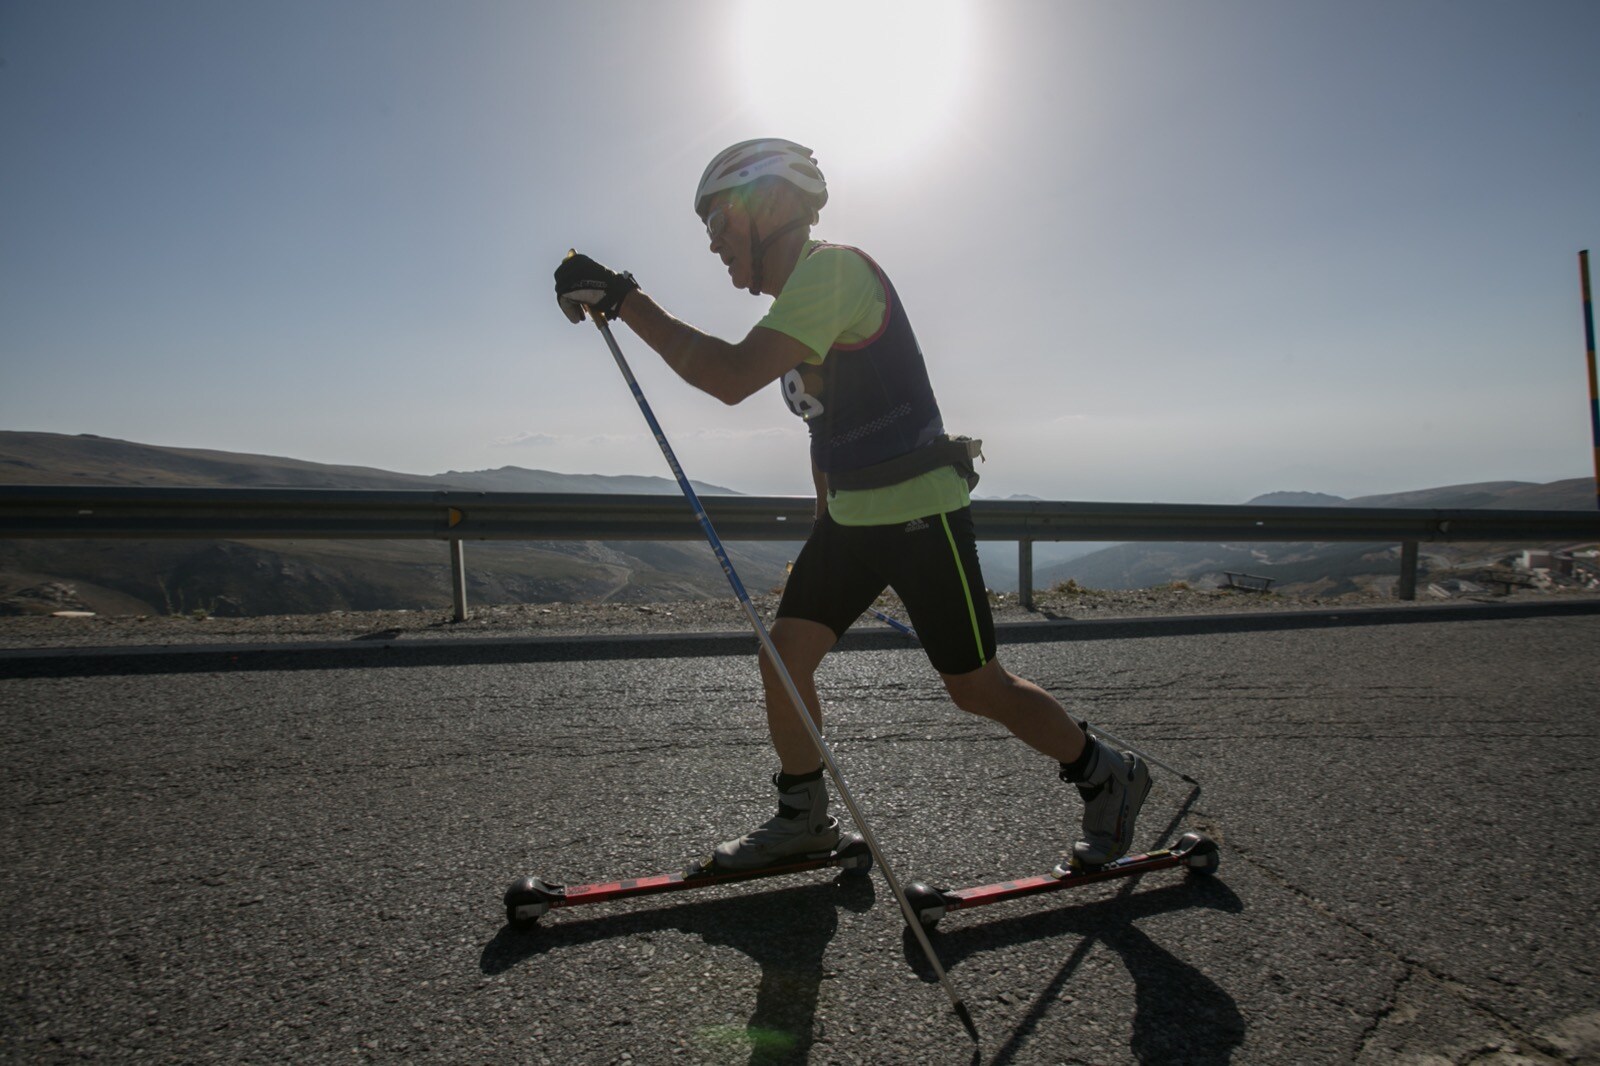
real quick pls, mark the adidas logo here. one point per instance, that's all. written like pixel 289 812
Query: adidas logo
pixel 916 525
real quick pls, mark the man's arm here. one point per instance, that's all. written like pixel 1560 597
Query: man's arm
pixel 730 372
pixel 820 480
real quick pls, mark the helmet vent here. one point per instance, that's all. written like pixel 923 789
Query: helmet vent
pixel 750 160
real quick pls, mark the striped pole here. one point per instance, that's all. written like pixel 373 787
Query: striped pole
pixel 1594 382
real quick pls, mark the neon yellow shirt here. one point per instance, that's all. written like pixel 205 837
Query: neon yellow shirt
pixel 833 297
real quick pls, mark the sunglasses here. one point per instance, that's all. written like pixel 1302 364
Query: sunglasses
pixel 717 222
pixel 717 219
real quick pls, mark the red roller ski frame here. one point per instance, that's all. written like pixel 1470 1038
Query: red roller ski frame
pixel 529 898
pixel 1193 850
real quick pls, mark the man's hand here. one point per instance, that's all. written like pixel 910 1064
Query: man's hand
pixel 581 282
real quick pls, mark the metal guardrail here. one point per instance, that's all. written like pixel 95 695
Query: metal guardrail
pixel 28 511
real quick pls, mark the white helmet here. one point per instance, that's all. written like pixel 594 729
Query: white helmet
pixel 760 158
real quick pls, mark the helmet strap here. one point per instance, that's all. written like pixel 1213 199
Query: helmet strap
pixel 760 244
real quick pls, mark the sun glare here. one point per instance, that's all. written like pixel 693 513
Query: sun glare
pixel 870 80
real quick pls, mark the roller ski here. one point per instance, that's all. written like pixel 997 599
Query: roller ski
pixel 1195 851
pixel 801 836
pixel 530 898
pixel 1113 785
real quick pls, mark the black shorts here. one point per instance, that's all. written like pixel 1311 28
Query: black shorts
pixel 931 563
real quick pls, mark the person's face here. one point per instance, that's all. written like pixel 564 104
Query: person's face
pixel 728 227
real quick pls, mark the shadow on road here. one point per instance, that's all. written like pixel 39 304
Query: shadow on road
pixel 786 932
pixel 1180 1014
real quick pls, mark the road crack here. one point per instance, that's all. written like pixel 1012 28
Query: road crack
pixel 1398 1006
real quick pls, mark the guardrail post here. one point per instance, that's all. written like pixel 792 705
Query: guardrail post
pixel 1408 570
pixel 458 578
pixel 1025 573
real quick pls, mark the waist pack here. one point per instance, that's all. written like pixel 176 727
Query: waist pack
pixel 944 450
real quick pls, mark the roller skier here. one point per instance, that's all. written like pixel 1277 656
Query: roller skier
pixel 893 504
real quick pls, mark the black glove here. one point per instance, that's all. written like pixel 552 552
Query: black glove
pixel 581 282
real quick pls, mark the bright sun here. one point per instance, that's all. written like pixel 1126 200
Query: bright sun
pixel 867 79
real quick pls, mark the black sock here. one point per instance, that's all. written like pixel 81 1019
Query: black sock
pixel 787 781
pixel 1078 769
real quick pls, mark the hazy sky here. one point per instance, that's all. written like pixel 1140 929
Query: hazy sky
pixel 1179 251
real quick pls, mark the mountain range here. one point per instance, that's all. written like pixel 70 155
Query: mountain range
pixel 279 577
pixel 1323 569
pixel 236 577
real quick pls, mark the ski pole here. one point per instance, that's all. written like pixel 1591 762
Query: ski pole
pixel 888 620
pixel 795 700
pixel 1096 730
pixel 894 624
pixel 1594 381
pixel 1151 759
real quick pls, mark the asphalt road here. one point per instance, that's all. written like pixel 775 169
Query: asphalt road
pixel 305 865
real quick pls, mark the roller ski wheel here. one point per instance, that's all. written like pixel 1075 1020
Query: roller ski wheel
pixel 926 902
pixel 527 900
pixel 530 898
pixel 1200 854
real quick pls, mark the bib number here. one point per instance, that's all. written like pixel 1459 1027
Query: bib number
pixel 799 400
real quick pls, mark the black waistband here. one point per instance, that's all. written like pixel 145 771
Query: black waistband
pixel 958 452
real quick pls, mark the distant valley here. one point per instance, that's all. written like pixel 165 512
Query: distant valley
pixel 283 577
pixel 1325 570
pixel 294 577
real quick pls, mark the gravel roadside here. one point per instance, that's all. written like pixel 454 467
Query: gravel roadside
pixel 694 616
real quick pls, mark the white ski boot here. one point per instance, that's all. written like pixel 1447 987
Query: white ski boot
pixel 1113 790
pixel 801 828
